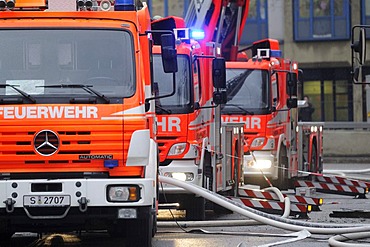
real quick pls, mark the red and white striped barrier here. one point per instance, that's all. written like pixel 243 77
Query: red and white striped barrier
pixel 273 206
pixel 269 195
pixel 342 180
pixel 332 188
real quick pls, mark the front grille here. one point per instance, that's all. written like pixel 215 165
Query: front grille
pixel 21 146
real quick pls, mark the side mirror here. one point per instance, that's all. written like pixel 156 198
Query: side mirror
pixel 291 84
pixel 219 73
pixel 219 97
pixel 292 103
pixel 359 46
pixel 169 55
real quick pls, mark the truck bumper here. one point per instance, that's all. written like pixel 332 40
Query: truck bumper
pixel 87 202
pixel 185 170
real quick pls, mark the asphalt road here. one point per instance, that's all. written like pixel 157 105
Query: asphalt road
pixel 234 236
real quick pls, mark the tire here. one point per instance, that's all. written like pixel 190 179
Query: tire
pixel 195 208
pixel 219 210
pixel 139 233
pixel 117 230
pixel 154 230
pixel 5 234
pixel 282 181
pixel 5 238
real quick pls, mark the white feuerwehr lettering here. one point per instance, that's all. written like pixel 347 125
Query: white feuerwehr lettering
pixel 29 112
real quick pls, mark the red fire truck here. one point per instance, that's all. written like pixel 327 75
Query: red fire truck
pixel 186 120
pixel 78 149
pixel 262 93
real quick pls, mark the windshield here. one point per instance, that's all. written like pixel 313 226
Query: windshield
pixel 180 101
pixel 32 60
pixel 246 89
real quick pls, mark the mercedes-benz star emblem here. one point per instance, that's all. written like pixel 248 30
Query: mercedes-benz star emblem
pixel 46 142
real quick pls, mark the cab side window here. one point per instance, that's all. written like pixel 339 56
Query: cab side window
pixel 197 81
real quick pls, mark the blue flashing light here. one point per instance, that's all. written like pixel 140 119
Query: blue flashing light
pixel 275 53
pixel 110 163
pixel 197 34
pixel 125 5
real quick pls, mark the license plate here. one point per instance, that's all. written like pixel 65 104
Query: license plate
pixel 46 201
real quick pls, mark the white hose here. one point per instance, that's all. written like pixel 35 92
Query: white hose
pixel 335 241
pixel 281 197
pixel 347 171
pixel 208 223
pixel 344 173
pixel 276 221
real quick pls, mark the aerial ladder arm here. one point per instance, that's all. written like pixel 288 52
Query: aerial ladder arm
pixel 222 21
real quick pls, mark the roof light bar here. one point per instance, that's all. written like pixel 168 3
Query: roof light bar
pixel 197 34
pixel 276 53
pixel 267 53
pixel 187 33
pixel 125 5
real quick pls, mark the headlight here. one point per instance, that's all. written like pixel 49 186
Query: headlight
pixel 258 142
pixel 177 149
pixel 182 176
pixel 259 164
pixel 121 193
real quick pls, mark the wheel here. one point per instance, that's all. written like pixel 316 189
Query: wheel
pixel 117 229
pixel 195 208
pixel 219 210
pixel 154 230
pixel 5 234
pixel 139 233
pixel 282 181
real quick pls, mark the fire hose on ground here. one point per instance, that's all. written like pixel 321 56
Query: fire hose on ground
pixel 344 173
pixel 268 219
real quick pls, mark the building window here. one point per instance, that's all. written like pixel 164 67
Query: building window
pixel 166 8
pixel 365 14
pixel 330 92
pixel 321 20
pixel 256 27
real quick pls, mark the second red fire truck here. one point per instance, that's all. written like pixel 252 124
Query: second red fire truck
pixel 262 93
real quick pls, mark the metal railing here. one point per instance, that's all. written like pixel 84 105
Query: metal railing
pixel 346 125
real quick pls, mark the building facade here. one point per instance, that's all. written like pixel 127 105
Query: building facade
pixel 316 34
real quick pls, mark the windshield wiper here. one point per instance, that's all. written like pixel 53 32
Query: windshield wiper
pixel 24 94
pixel 163 109
pixel 87 88
pixel 240 108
